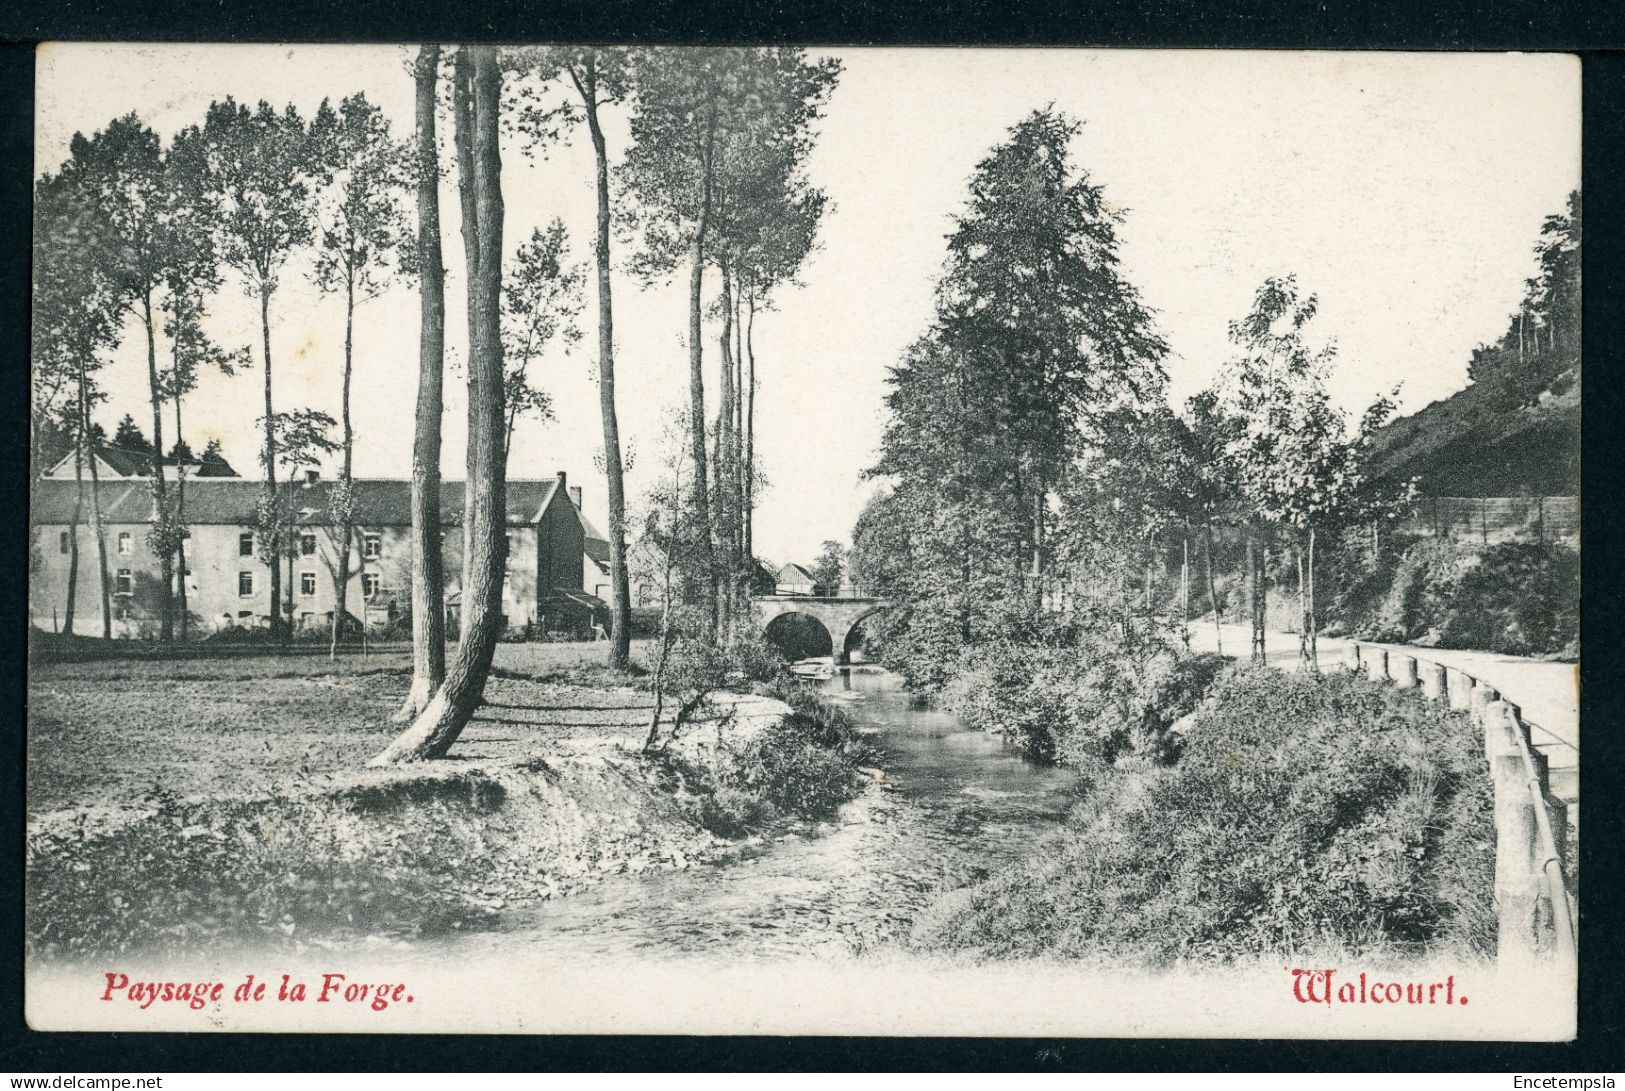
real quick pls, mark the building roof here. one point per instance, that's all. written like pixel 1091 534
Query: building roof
pixel 127 463
pixel 124 462
pixel 234 501
pixel 593 541
pixel 793 571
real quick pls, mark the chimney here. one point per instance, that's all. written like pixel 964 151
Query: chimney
pixel 575 496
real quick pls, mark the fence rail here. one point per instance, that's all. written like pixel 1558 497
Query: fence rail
pixel 1490 520
pixel 1534 915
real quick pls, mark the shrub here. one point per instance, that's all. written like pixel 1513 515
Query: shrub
pixel 1308 813
pixel 1084 699
pixel 1520 599
pixel 645 622
pixel 1422 584
pixel 804 766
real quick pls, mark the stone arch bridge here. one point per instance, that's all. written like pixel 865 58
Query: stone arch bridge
pixel 840 617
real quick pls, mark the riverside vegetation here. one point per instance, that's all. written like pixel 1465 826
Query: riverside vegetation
pixel 1299 812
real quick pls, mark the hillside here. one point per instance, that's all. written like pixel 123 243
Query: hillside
pixel 1489 440
pixel 1515 430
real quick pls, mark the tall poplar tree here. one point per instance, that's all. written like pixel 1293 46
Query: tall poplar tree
pixel 362 225
pixel 75 308
pixel 258 169
pixel 476 103
pixel 121 175
pixel 593 78
pixel 703 117
pixel 428 582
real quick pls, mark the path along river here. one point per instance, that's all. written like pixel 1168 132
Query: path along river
pixel 959 802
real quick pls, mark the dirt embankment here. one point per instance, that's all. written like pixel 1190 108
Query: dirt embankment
pixel 545 794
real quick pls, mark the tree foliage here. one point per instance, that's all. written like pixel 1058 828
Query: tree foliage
pixel 1038 339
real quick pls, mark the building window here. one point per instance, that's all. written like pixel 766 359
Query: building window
pixel 372 546
pixel 123 583
pixel 307 545
pixel 307 583
pixel 64 542
pixel 245 615
pixel 124 613
pixel 369 583
pixel 507 586
pixel 245 544
pixel 124 542
pixel 245 583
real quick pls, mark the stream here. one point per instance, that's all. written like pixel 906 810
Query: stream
pixel 958 803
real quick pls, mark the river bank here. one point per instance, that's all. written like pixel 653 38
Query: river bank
pixel 231 805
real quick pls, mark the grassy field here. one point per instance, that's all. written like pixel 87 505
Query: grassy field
pixel 178 805
pixel 110 732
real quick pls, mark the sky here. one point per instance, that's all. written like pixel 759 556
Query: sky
pixel 1405 190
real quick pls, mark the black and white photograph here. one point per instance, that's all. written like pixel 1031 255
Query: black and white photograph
pixel 764 540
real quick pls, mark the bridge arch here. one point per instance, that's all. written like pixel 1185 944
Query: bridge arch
pixel 839 616
pixel 856 624
pixel 799 635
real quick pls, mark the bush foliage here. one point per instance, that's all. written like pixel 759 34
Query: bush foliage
pixel 1080 697
pixel 1520 599
pixel 1307 813
pixel 802 767
pixel 1514 598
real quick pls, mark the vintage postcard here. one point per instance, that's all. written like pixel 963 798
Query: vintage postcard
pixel 737 540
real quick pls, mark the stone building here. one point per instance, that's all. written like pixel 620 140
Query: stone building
pixel 227 583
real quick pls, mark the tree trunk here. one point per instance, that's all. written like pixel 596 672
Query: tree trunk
pixel 78 514
pixel 1212 586
pixel 1303 605
pixel 166 557
pixel 727 527
pixel 1310 621
pixel 341 578
pixel 620 642
pixel 1185 585
pixel 736 454
pixel 288 550
pixel 180 524
pixel 1038 549
pixel 96 524
pixel 428 584
pixel 1255 595
pixel 748 453
pixel 477 90
pixel 269 458
pixel 696 392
